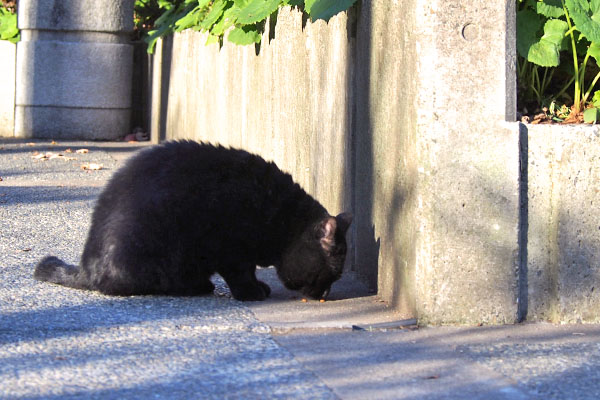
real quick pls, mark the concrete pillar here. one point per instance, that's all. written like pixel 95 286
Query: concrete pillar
pixel 74 66
pixel 7 83
pixel 468 257
pixel 437 163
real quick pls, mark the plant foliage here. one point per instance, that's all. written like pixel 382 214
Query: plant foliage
pixel 563 36
pixel 242 21
pixel 8 26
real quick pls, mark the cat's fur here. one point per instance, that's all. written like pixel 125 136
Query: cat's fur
pixel 179 212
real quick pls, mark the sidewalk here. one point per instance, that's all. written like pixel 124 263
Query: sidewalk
pixel 58 343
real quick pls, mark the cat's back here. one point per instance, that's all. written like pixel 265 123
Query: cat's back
pixel 178 169
pixel 191 162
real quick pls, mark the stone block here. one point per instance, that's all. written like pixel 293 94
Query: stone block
pixel 76 15
pixel 74 74
pixel 563 267
pixel 69 122
pixel 74 66
pixel 7 83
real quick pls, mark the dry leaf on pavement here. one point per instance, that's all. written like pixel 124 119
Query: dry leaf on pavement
pixel 91 166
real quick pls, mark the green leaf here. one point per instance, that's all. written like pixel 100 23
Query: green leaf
pixel 325 9
pixel 550 8
pixel 188 20
pixel 227 21
pixel 241 3
pixel 214 14
pixel 8 26
pixel 528 25
pixel 165 4
pixel 165 17
pixel 596 98
pixel 211 40
pixel 594 51
pixel 590 116
pixel 257 10
pixel 546 51
pixel 244 35
pixel 586 16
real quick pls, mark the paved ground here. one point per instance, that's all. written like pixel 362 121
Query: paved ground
pixel 62 343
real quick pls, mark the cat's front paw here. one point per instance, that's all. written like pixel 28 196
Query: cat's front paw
pixel 251 293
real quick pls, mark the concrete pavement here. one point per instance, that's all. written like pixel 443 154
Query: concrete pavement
pixel 60 343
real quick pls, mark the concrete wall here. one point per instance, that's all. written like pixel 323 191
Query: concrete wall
pixel 563 268
pixel 380 112
pixel 386 141
pixel 7 83
pixel 401 112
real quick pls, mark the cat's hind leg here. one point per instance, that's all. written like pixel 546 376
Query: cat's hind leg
pixel 243 284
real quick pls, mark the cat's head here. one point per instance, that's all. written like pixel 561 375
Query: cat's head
pixel 316 259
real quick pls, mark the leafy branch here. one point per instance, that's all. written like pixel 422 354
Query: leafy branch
pixel 241 20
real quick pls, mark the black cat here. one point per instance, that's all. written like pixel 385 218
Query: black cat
pixel 179 212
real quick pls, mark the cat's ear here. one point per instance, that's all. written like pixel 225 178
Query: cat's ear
pixel 343 221
pixel 326 233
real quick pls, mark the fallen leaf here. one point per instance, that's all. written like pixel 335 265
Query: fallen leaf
pixel 91 166
pixel 50 156
pixel 1 179
pixel 82 151
pixel 53 142
pixel 30 144
pixel 26 249
pixel 322 301
pixel 304 300
pixel 432 377
pixel 39 156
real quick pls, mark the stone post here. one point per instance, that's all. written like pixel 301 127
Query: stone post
pixel 74 66
pixel 7 83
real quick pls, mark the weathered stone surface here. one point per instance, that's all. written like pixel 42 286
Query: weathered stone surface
pixel 70 122
pixel 7 83
pixel 74 55
pixel 380 114
pixel 468 186
pixel 564 228
pixel 437 187
pixel 76 15
pixel 387 177
pixel 74 74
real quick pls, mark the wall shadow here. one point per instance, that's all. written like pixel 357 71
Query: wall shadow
pixel 159 92
pixel 523 280
pixel 366 251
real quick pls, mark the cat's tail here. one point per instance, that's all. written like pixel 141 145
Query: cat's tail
pixel 54 270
